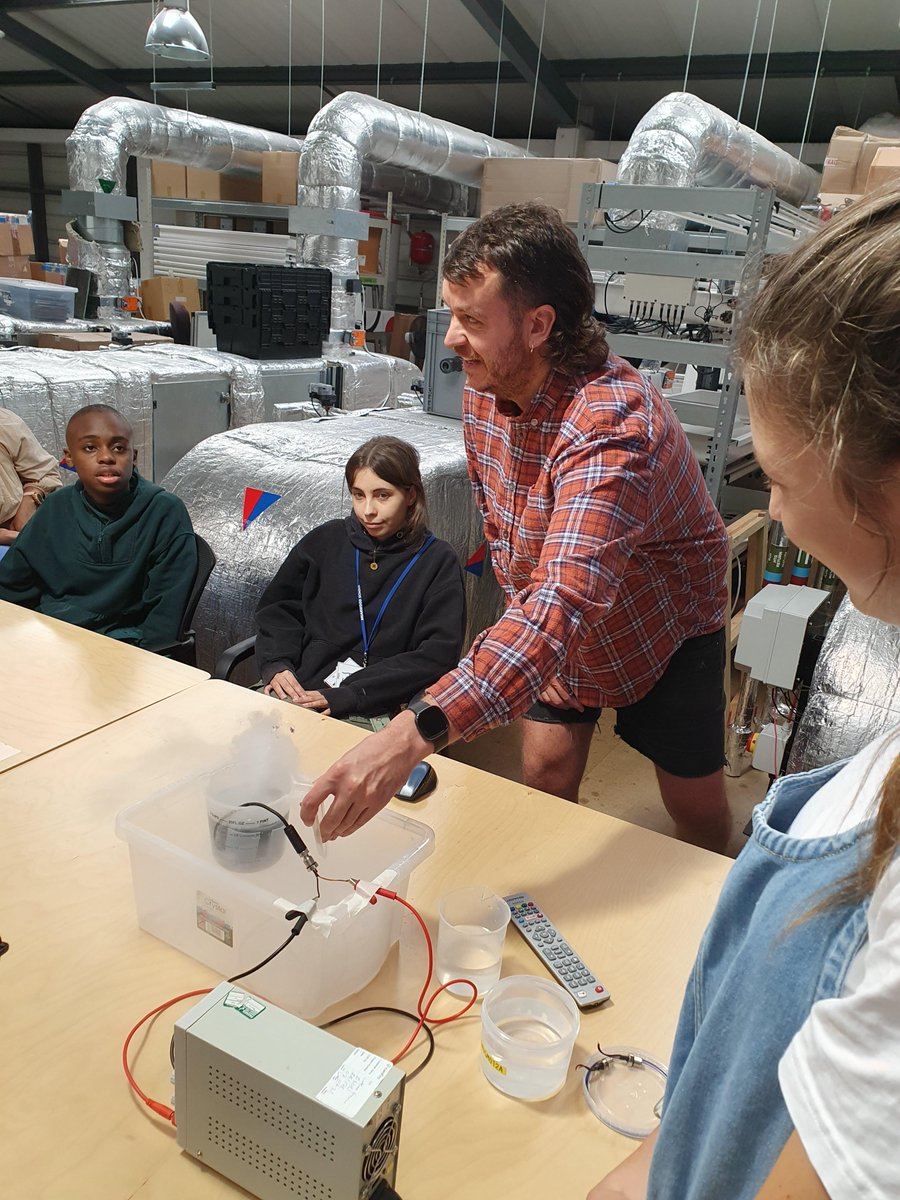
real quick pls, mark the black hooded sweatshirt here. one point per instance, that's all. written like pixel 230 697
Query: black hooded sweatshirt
pixel 307 619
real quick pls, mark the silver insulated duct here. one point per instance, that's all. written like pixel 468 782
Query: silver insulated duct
pixel 683 141
pixel 107 134
pixel 854 696
pixel 353 129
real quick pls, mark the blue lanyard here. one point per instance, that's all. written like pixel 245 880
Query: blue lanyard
pixel 369 638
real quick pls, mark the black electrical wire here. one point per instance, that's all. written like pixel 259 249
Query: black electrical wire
pixel 301 920
pixel 358 1012
pixel 616 228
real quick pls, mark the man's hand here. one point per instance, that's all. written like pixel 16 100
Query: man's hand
pixel 315 700
pixel 364 780
pixel 7 536
pixel 23 514
pixel 285 686
pixel 557 694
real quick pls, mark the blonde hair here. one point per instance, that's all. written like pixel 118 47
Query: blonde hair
pixel 821 357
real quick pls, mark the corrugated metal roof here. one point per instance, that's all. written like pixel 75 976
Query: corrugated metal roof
pixel 256 36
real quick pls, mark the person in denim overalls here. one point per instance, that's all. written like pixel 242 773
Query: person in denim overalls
pixel 785 1073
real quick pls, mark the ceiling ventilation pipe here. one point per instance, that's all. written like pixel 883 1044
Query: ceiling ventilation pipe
pixel 109 133
pixel 353 129
pixel 683 141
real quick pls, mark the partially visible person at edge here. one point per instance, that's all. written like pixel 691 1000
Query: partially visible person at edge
pixel 28 474
pixel 602 533
pixel 786 1062
pixel 364 612
pixel 114 553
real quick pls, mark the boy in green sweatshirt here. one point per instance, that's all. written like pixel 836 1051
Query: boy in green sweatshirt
pixel 114 553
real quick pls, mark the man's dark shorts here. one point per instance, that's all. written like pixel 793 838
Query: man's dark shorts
pixel 679 725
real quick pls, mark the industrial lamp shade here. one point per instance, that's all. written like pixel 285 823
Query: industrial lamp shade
pixel 174 33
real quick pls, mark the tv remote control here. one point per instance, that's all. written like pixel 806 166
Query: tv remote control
pixel 555 952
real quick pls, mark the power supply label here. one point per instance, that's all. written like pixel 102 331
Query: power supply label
pixel 355 1080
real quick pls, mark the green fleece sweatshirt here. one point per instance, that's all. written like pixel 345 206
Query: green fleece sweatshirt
pixel 126 574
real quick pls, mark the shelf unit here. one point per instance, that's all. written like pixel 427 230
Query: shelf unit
pixel 714 233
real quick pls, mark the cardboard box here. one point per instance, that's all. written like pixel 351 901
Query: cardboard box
pixel 280 171
pixel 92 341
pixel 397 344
pixel 885 167
pixel 14 266
pixel 48 272
pixel 555 181
pixel 72 341
pixel 24 237
pixel 168 179
pixel 216 185
pixel 158 293
pixel 848 169
pixel 16 236
pixel 150 339
pixel 369 251
pixel 839 170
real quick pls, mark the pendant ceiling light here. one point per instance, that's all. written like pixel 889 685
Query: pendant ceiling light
pixel 174 33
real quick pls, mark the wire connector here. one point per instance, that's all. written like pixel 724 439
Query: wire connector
pixel 301 848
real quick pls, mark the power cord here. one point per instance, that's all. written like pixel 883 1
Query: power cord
pixel 358 1012
pixel 384 1191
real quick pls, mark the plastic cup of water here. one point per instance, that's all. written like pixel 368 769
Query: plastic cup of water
pixel 471 930
pixel 245 837
pixel 528 1031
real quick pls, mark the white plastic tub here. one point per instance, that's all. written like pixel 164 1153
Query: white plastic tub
pixel 231 920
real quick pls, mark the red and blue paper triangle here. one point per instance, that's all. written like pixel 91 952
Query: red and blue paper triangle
pixel 255 504
pixel 475 565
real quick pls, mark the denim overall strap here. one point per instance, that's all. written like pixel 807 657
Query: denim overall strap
pixel 762 964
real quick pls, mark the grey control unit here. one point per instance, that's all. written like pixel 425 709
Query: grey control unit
pixel 444 378
pixel 280 1107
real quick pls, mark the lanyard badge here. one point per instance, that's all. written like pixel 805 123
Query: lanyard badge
pixel 369 637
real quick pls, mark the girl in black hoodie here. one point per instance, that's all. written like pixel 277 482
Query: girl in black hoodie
pixel 367 611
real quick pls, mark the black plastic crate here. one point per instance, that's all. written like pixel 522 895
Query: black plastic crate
pixel 260 311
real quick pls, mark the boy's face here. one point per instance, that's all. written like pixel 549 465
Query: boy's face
pixel 99 447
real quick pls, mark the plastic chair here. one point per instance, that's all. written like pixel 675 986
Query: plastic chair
pixel 184 648
pixel 233 656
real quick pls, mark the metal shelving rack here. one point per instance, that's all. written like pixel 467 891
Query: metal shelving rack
pixel 719 234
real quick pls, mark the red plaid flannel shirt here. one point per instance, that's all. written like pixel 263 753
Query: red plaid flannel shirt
pixel 603 536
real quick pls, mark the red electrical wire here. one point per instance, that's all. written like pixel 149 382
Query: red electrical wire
pixel 421 1012
pixel 162 1110
pixel 168 1113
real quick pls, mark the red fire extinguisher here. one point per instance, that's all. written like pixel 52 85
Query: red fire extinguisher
pixel 421 248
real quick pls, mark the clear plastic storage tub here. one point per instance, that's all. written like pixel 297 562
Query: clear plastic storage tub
pixel 32 300
pixel 231 919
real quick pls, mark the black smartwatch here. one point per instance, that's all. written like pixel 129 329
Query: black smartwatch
pixel 430 722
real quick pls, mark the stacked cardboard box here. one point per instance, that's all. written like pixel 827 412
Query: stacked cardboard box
pixel 92 341
pixel 280 170
pixel 555 181
pixel 48 272
pixel 160 291
pixel 216 185
pixel 168 179
pixel 858 163
pixel 16 245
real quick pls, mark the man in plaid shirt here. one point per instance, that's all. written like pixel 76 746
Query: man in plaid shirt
pixel 602 534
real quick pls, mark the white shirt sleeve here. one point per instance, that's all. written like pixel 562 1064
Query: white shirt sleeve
pixel 840 1076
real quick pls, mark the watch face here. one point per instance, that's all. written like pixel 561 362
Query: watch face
pixel 431 722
